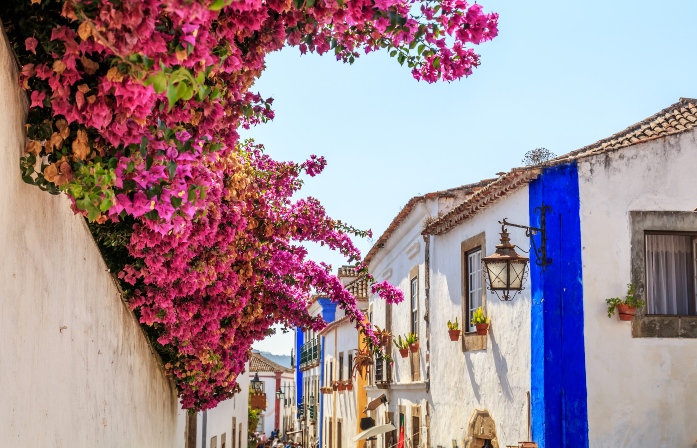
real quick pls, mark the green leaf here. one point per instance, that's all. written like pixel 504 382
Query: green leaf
pixel 217 5
pixel 143 146
pixel 172 95
pixel 421 48
pixel 105 205
pixel 401 58
pixel 148 162
pixel 152 214
pixel 436 63
pixel 176 201
pixel 158 82
pixel 309 3
pixel 172 168
pixel 393 53
pixel 298 3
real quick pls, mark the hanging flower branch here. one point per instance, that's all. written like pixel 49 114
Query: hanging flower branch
pixel 135 108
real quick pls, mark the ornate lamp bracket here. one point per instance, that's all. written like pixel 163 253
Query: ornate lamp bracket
pixel 541 251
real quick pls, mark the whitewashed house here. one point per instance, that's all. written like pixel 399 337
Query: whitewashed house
pixel 398 257
pixel 344 394
pixel 224 426
pixel 619 211
pixel 279 414
pixel 553 367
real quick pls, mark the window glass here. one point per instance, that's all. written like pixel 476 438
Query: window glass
pixel 474 284
pixel 415 305
pixel 670 274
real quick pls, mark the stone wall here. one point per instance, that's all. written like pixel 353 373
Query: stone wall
pixel 76 369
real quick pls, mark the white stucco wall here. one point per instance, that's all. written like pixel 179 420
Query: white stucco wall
pixel 641 391
pixel 76 370
pixel 340 405
pixel 219 421
pixel 496 379
pixel 404 253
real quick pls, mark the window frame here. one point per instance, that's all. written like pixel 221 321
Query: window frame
pixel 414 302
pixel 469 310
pixel 662 222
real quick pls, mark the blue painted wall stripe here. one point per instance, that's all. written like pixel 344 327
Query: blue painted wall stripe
pixel 299 341
pixel 558 371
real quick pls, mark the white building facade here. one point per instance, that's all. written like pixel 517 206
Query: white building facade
pixel 279 414
pixel 552 368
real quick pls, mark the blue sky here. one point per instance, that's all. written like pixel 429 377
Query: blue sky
pixel 560 75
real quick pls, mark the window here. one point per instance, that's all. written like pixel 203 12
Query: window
pixel 222 440
pixel 415 305
pixel 473 284
pixel 379 370
pixel 415 427
pixel 670 274
pixel 214 442
pixel 234 432
pixel 350 365
pixel 341 366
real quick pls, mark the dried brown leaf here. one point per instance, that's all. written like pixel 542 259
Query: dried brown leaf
pixel 59 66
pixel 33 147
pixel 114 75
pixel 84 30
pixel 89 65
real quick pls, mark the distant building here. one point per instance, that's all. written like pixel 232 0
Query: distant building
pixel 224 426
pixel 280 411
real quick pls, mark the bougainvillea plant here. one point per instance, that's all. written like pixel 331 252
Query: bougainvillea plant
pixel 135 107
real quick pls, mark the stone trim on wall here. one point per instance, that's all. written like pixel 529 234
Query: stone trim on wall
pixel 649 326
pixel 470 340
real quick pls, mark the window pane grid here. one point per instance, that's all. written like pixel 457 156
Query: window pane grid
pixel 414 305
pixel 474 284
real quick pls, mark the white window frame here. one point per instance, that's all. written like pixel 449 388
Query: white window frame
pixel 474 283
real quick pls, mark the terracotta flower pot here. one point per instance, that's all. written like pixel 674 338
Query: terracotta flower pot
pixel 482 329
pixel 335 386
pixel 454 334
pixel 349 386
pixel 414 347
pixel 626 312
pixel 404 352
pixel 341 387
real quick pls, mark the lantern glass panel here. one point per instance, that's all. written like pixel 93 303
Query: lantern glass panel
pixel 497 272
pixel 516 275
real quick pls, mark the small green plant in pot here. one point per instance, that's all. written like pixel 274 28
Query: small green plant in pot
pixel 402 346
pixel 480 321
pixel 413 342
pixel 625 308
pixel 454 330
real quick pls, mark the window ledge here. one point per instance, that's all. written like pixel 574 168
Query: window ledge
pixel 414 385
pixel 684 327
pixel 471 342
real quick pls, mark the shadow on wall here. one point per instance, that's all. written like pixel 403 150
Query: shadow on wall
pixel 501 365
pixel 473 382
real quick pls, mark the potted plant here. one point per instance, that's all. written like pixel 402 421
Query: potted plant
pixel 402 346
pixel 454 330
pixel 413 342
pixel 340 386
pixel 361 361
pixel 383 336
pixel 625 308
pixel 480 321
pixel 348 384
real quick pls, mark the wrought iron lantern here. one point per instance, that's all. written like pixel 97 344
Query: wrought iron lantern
pixel 506 269
pixel 256 385
pixel 279 394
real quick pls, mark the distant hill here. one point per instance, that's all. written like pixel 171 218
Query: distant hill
pixel 283 360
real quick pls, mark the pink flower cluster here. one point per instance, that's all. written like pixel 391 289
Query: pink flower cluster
pixel 155 91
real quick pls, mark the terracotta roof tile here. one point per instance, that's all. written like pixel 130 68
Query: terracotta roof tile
pixel 259 363
pixel 413 202
pixel 677 118
pixel 358 288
